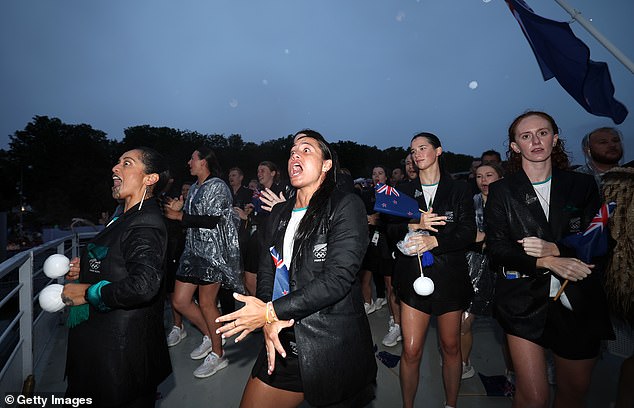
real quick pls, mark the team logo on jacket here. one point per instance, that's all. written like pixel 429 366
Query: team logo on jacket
pixel 449 215
pixel 94 265
pixel 574 225
pixel 319 252
pixel 417 193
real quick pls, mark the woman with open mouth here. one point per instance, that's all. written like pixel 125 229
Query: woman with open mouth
pixel 318 345
pixel 117 354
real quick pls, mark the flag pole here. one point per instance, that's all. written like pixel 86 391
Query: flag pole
pixel 576 15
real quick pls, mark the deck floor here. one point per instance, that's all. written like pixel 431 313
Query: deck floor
pixel 224 389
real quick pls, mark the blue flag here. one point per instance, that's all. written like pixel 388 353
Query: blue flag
pixel 562 55
pixel 390 201
pixel 594 240
pixel 280 285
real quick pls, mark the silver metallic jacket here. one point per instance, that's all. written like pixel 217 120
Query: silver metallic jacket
pixel 212 255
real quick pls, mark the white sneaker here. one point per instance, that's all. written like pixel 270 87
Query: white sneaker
pixel 467 371
pixel 393 336
pixel 176 335
pixel 202 350
pixel 380 302
pixel 211 365
pixel 369 308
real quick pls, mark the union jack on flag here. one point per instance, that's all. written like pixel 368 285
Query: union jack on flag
pixel 280 285
pixel 385 189
pixel 390 201
pixel 594 240
pixel 601 219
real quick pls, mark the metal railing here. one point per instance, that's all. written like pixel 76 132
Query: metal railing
pixel 25 328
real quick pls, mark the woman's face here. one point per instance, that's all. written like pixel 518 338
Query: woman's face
pixel 197 166
pixel 129 176
pixel 265 176
pixel 306 166
pixel 485 175
pixel 379 176
pixel 534 139
pixel 424 154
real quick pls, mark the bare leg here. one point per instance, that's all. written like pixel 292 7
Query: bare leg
pixel 531 383
pixel 250 282
pixel 414 329
pixel 258 394
pixel 366 286
pixel 184 303
pixel 392 302
pixel 208 298
pixel 177 318
pixel 573 381
pixel 466 336
pixel 449 333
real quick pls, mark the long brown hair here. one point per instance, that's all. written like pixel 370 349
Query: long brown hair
pixel 559 156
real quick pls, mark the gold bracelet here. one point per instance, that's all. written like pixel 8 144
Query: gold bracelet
pixel 270 315
pixel 266 315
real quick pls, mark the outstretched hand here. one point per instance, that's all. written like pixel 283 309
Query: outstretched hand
pixel 272 341
pixel 249 317
pixel 428 221
pixel 269 199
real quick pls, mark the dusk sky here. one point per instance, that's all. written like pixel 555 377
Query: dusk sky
pixel 372 71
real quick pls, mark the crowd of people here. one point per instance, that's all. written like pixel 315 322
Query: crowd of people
pixel 305 261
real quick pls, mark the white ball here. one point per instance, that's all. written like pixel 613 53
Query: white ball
pixel 56 265
pixel 424 286
pixel 51 298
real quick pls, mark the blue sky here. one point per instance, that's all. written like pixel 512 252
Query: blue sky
pixel 372 71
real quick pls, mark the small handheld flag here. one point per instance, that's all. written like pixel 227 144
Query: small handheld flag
pixel 390 201
pixel 280 285
pixel 594 240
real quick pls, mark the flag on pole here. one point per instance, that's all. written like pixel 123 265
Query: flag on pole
pixel 594 240
pixel 280 285
pixel 562 55
pixel 390 201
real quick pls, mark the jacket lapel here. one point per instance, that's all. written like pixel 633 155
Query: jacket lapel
pixel 525 193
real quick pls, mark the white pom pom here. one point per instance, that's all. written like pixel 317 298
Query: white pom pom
pixel 56 265
pixel 424 286
pixel 51 298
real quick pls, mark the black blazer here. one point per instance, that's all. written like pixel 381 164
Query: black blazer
pixel 449 271
pixel 119 355
pixel 334 342
pixel 513 212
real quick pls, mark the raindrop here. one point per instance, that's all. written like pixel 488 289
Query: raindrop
pixel 233 103
pixel 287 51
pixel 473 84
pixel 265 82
pixel 486 1
pixel 400 16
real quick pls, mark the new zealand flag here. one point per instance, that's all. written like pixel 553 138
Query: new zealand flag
pixel 280 285
pixel 390 201
pixel 594 240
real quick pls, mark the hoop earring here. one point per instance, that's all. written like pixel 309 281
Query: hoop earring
pixel 143 198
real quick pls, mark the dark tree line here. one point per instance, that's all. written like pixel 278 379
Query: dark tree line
pixel 62 171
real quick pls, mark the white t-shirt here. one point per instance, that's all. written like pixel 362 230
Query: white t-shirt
pixel 291 228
